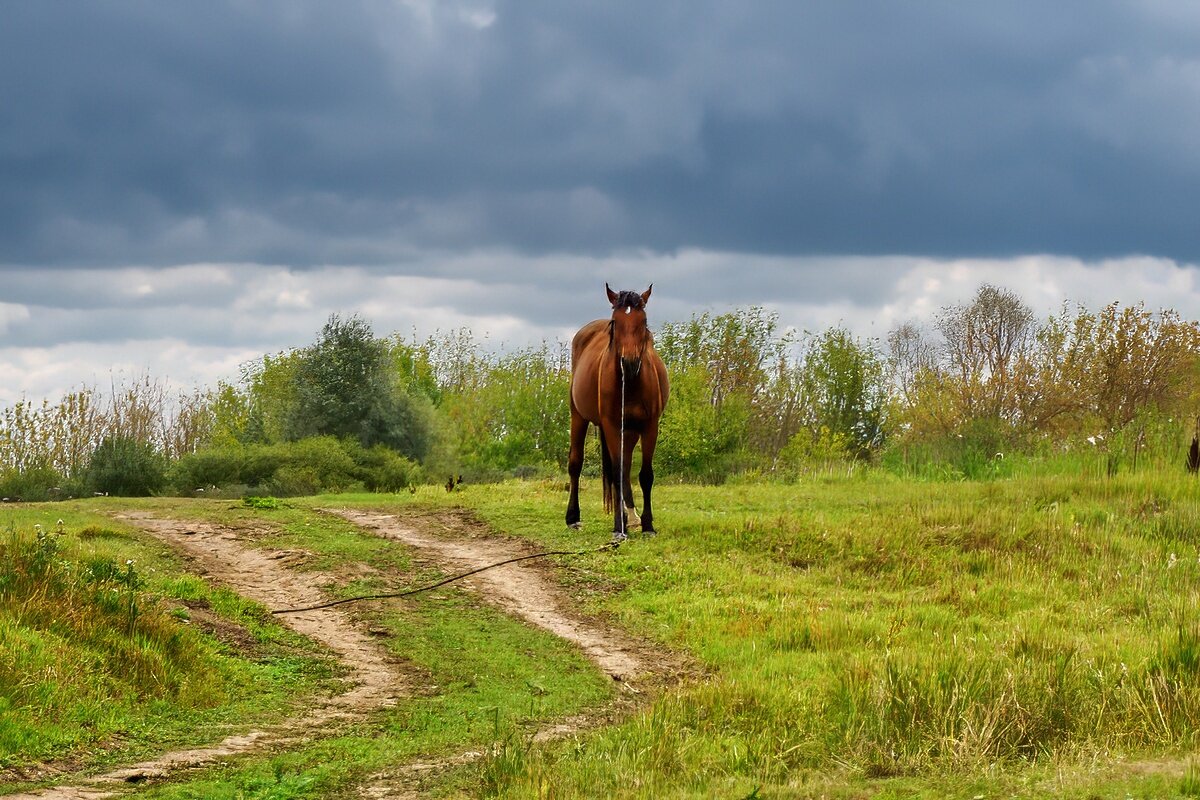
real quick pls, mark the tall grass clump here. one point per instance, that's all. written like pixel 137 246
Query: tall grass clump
pixel 80 643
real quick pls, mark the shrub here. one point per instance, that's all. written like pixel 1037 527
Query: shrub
pixel 36 484
pixel 309 466
pixel 126 467
pixel 294 481
pixel 383 470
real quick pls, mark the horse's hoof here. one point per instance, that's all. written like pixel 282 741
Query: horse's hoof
pixel 574 525
pixel 618 537
pixel 649 532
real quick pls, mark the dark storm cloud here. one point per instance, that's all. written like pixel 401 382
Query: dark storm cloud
pixel 314 133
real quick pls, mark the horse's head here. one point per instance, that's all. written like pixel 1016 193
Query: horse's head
pixel 628 333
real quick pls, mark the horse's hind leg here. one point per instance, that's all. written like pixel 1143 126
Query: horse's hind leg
pixel 607 473
pixel 579 427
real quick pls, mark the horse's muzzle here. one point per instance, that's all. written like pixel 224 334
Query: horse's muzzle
pixel 632 367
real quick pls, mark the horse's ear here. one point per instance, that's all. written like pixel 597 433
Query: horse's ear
pixel 612 296
pixel 646 294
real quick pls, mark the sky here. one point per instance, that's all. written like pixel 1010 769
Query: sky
pixel 187 186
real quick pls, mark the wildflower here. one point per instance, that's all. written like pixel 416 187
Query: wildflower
pixel 1171 561
pixel 1092 440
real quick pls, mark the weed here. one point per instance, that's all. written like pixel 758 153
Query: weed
pixel 260 502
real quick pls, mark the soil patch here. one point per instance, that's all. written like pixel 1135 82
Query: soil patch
pixel 218 553
pixel 523 589
pixel 455 542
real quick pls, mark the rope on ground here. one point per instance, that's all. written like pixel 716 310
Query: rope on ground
pixel 609 546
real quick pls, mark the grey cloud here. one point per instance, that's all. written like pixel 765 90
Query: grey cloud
pixel 308 134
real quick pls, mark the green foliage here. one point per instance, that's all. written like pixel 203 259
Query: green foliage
pixel 309 466
pixel 806 453
pixel 698 440
pixel 127 468
pixel 381 469
pixel 261 503
pixel 980 450
pixel 520 416
pixel 344 385
pixel 847 392
pixel 36 484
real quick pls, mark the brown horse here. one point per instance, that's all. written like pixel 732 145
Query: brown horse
pixel 612 360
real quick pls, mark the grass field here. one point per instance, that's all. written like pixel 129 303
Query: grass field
pixel 851 637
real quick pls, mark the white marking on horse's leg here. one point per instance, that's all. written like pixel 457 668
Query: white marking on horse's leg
pixel 635 519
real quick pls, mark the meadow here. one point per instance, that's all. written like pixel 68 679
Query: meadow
pixel 849 635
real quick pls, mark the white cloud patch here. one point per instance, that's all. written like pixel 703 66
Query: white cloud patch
pixel 199 323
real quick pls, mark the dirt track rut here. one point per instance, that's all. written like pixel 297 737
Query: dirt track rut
pixel 266 577
pixel 521 589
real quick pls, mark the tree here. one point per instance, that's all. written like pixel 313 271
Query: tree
pixel 846 383
pixel 1142 360
pixel 983 342
pixel 345 385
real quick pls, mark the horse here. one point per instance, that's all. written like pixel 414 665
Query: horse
pixel 619 384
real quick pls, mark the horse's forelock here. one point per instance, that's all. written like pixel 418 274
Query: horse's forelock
pixel 627 299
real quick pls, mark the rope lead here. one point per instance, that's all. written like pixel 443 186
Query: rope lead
pixel 609 546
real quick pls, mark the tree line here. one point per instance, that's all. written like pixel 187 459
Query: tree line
pixel 969 393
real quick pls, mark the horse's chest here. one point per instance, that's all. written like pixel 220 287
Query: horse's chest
pixel 636 414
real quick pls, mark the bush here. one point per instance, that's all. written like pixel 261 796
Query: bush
pixel 126 467
pixel 383 470
pixel 808 454
pixel 309 466
pixel 35 485
pixel 207 468
pixel 294 481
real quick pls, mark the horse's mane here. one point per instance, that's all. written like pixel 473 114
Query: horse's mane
pixel 629 299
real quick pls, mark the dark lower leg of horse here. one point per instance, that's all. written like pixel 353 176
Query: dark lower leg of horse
pixel 620 522
pixel 573 502
pixel 607 472
pixel 646 479
pixel 574 468
pixel 627 480
pixel 575 465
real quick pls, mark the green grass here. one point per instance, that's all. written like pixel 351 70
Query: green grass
pixel 479 677
pixel 98 664
pixel 860 636
pixel 877 636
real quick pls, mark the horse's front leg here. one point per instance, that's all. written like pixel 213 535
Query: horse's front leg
pixel 579 427
pixel 646 475
pixel 631 439
pixel 612 439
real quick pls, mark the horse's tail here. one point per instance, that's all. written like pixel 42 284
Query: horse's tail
pixel 607 478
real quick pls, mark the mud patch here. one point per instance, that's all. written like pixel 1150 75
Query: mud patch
pixel 235 637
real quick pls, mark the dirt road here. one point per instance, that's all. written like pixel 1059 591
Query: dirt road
pixel 224 556
pixel 265 576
